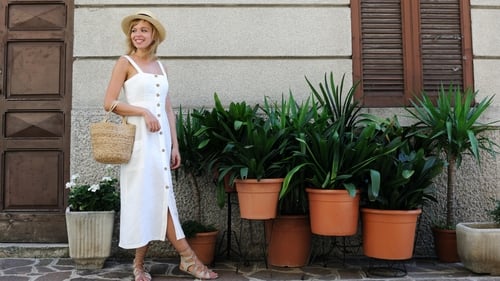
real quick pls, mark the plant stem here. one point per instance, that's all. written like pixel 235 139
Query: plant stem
pixel 450 192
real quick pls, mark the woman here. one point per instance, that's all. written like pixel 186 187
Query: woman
pixel 148 208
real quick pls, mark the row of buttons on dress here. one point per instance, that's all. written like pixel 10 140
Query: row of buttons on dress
pixel 158 104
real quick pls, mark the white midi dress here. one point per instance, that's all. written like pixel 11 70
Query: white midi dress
pixel 146 180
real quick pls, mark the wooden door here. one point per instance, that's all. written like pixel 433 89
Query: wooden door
pixel 36 39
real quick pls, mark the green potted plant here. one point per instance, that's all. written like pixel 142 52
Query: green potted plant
pixel 334 155
pixel 90 219
pixel 217 126
pixel 452 125
pixel 254 156
pixel 291 226
pixel 479 243
pixel 201 237
pixel 406 184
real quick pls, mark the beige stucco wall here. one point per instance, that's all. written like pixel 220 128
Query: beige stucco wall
pixel 248 49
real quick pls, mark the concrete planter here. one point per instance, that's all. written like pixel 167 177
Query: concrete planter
pixel 479 247
pixel 89 237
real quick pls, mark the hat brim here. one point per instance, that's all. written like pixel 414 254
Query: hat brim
pixel 143 16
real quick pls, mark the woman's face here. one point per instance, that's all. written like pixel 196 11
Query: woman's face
pixel 141 34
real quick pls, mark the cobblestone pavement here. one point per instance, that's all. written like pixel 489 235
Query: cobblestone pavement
pixel 63 269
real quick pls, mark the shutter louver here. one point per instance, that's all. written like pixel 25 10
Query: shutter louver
pixel 441 43
pixel 382 45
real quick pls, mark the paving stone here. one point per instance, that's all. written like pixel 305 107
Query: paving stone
pixel 14 278
pixel 54 276
pixel 63 269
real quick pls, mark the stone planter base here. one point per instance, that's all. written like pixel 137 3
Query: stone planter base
pixel 89 237
pixel 479 247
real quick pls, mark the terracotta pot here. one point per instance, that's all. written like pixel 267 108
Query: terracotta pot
pixel 333 212
pixel 445 243
pixel 290 241
pixel 203 244
pixel 389 234
pixel 258 199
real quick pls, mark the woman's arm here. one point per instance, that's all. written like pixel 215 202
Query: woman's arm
pixel 176 156
pixel 120 73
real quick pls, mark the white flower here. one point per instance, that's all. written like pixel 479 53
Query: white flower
pixel 94 188
pixel 106 179
pixel 70 184
pixel 75 177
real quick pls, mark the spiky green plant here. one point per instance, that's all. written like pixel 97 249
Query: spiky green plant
pixel 453 125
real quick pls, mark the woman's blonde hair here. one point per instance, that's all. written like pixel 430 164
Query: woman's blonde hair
pixel 151 50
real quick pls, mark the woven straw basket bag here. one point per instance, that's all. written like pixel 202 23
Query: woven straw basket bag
pixel 112 143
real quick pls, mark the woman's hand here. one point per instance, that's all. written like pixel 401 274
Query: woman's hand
pixel 175 161
pixel 152 123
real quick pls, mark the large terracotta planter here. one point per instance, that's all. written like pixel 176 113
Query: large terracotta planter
pixel 445 243
pixel 89 237
pixel 478 246
pixel 333 212
pixel 203 244
pixel 289 241
pixel 258 199
pixel 389 234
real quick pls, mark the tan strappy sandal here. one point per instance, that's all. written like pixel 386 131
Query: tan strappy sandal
pixel 191 265
pixel 140 273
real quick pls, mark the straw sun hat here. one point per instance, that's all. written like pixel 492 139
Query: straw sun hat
pixel 147 16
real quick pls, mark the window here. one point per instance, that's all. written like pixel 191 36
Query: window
pixel 401 47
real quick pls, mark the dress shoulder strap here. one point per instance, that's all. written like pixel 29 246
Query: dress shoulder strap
pixel 132 62
pixel 162 69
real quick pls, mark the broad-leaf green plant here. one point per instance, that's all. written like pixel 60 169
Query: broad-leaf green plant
pixel 295 118
pixel 218 127
pixel 407 174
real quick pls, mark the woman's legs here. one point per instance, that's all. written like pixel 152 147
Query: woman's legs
pixel 140 273
pixel 189 262
pixel 180 245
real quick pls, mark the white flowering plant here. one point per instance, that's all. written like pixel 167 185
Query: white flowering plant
pixel 102 196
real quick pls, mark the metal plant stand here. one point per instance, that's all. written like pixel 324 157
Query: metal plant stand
pixel 229 234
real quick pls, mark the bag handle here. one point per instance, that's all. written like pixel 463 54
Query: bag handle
pixel 108 113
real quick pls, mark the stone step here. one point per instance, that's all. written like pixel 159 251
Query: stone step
pixel 34 250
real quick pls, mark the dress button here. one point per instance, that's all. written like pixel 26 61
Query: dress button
pixel 157 94
pixel 156 75
pixel 161 133
pixel 165 168
pixel 158 104
pixel 157 85
pixel 158 115
pixel 163 150
pixel 166 186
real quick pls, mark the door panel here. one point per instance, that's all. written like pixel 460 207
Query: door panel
pixel 35 105
pixel 35 69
